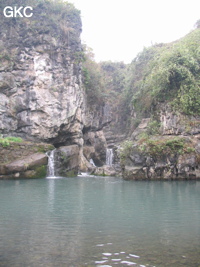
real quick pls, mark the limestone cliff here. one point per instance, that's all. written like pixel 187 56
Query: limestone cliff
pixel 40 75
pixel 42 98
pixel 124 110
pixel 163 112
pixel 48 94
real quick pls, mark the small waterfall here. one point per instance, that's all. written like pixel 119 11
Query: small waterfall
pixel 109 156
pixel 51 163
pixel 92 162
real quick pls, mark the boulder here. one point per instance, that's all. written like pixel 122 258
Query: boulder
pixel 98 141
pixel 88 152
pixel 67 160
pixel 23 160
pixel 27 163
pixel 104 171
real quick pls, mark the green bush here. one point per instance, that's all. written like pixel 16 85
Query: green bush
pixel 92 78
pixel 125 150
pixel 172 74
pixel 176 145
pixel 153 127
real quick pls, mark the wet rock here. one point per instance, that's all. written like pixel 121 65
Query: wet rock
pixel 89 152
pixel 67 160
pixel 105 171
pixel 98 141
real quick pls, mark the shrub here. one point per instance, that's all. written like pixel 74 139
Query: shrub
pixel 176 145
pixel 153 127
pixel 125 150
pixel 171 74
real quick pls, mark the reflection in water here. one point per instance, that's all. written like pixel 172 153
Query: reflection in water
pixel 51 194
pixel 89 221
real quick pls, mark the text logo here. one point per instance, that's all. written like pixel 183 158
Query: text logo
pixel 13 12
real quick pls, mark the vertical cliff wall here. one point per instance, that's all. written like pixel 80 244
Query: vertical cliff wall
pixel 41 96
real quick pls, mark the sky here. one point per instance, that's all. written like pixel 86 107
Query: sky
pixel 119 30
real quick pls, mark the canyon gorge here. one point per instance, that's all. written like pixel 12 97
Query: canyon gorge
pixel 49 99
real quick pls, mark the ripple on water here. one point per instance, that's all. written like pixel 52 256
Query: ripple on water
pixel 107 254
pixel 123 259
pixel 100 262
pixel 135 256
pixel 128 263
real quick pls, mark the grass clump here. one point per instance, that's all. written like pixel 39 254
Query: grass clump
pixel 5 141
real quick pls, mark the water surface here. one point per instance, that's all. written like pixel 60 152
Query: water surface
pixel 87 221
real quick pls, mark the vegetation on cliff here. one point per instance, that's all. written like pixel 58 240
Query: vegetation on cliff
pixel 155 101
pixel 160 74
pixel 5 141
pixel 60 19
pixel 42 56
pixel 92 78
pixel 169 73
pixel 105 83
pixel 165 146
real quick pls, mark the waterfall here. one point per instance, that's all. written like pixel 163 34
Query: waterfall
pixel 92 162
pixel 109 156
pixel 51 163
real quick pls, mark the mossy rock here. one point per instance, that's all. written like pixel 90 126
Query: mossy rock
pixel 40 172
pixel 71 173
pixel 37 173
pixel 41 148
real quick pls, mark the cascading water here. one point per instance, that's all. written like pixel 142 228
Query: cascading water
pixel 92 162
pixel 109 156
pixel 51 163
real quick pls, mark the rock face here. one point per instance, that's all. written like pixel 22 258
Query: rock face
pixel 105 170
pixel 67 160
pixel 41 94
pixel 158 162
pixel 40 77
pixel 141 128
pixel 95 141
pixel 42 100
pixel 167 148
pixel 175 123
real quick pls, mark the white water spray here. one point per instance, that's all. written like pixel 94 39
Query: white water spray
pixel 51 163
pixel 92 162
pixel 109 156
